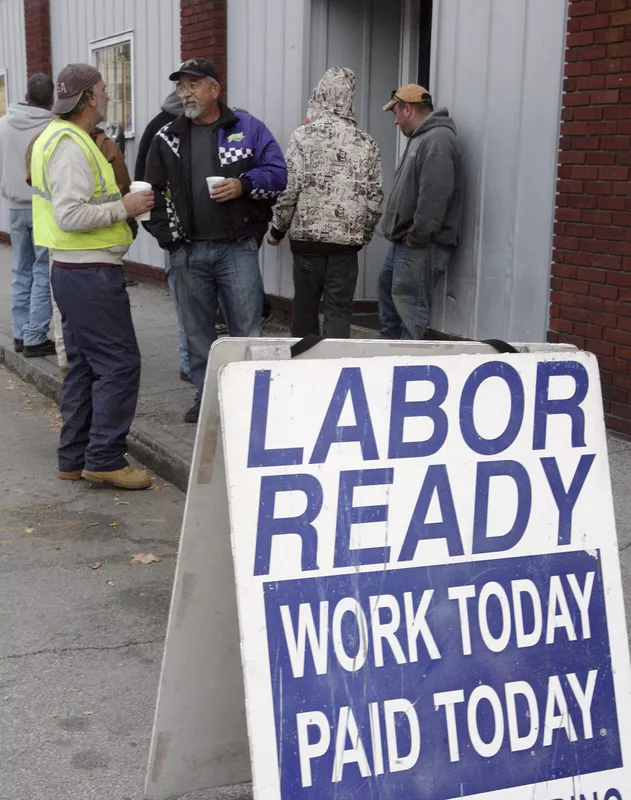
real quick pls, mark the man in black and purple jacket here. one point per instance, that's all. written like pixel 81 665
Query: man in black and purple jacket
pixel 213 241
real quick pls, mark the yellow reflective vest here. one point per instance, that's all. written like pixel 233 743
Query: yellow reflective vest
pixel 46 233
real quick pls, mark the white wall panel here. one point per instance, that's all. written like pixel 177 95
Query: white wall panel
pixel 497 65
pixel 156 28
pixel 13 59
pixel 268 51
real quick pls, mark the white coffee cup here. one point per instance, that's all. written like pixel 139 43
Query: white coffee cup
pixel 141 186
pixel 210 182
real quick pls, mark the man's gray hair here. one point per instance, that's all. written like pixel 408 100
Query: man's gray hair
pixel 40 90
pixel 81 104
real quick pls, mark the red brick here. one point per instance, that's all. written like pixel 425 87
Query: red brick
pixel 612 203
pixel 592 53
pixel 581 39
pixel 562 326
pixel 598 187
pixel 566 242
pixel 593 275
pixel 599 347
pixel 617 112
pixel 595 22
pixel 607 293
pixel 600 318
pixel 610 5
pixel 585 173
pixel 607 66
pixel 619 50
pixel 576 99
pixel 589 302
pixel 600 159
pixel 615 142
pixel 609 35
pixel 582 201
pixel 586 143
pixel 621 18
pixel 577 287
pixel 577 69
pixel 609 232
pixel 563 271
pixel 570 187
pixel 570 157
pixel 591 113
pixel 588 331
pixel 620 81
pixel 582 8
pixel 624 323
pixel 572 215
pixel 606 261
pixel 610 95
pixel 591 217
pixel 620 218
pixel 588 83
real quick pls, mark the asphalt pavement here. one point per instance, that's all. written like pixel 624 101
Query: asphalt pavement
pixel 82 627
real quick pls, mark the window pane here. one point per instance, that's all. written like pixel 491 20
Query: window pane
pixel 114 64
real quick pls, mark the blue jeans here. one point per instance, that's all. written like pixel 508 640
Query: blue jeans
pixel 30 288
pixel 100 391
pixel 206 273
pixel 406 286
pixel 182 344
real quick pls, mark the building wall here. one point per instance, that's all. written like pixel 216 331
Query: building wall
pixel 156 27
pixel 13 58
pixel 498 67
pixel 37 23
pixel 591 274
pixel 268 69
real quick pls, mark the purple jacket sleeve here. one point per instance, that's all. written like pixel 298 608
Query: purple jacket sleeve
pixel 268 178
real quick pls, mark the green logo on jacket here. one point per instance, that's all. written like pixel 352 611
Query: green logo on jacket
pixel 236 137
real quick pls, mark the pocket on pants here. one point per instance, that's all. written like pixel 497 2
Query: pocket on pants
pixel 250 244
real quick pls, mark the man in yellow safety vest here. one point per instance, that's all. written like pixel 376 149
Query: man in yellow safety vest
pixel 79 214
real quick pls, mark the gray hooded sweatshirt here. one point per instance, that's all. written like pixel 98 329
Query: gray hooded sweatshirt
pixel 426 201
pixel 18 126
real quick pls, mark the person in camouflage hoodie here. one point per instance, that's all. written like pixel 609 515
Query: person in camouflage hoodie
pixel 331 206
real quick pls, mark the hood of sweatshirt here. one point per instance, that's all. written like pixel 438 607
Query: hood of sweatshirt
pixel 173 104
pixel 334 96
pixel 437 119
pixel 24 117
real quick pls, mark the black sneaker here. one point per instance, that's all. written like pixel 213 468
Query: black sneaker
pixel 184 376
pixel 18 345
pixel 192 415
pixel 46 348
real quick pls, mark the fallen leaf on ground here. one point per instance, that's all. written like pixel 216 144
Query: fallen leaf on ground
pixel 111 584
pixel 93 524
pixel 30 530
pixel 122 503
pixel 96 566
pixel 149 558
pixel 113 524
pixel 88 713
pixel 59 632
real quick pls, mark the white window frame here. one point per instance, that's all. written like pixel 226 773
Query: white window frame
pixel 109 41
pixel 4 71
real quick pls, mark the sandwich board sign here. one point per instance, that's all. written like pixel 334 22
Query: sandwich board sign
pixel 427 578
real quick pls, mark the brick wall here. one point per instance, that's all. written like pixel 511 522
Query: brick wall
pixel 591 271
pixel 204 32
pixel 37 29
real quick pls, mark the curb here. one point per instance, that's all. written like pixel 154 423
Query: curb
pixel 159 451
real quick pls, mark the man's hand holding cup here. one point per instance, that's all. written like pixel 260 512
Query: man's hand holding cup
pixel 224 189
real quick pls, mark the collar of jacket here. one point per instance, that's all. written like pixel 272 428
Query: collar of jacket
pixel 182 123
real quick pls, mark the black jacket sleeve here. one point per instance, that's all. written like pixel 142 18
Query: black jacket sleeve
pixel 160 226
pixel 152 128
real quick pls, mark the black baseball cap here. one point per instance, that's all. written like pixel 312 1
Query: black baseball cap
pixel 199 67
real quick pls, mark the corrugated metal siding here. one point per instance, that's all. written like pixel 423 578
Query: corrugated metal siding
pixel 498 66
pixel 156 28
pixel 12 58
pixel 268 76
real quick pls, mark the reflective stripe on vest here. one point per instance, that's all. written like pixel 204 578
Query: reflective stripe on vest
pixel 45 230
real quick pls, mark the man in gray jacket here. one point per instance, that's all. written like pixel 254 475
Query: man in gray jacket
pixel 423 215
pixel 30 284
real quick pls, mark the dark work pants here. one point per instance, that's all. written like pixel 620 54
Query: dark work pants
pixel 332 278
pixel 100 391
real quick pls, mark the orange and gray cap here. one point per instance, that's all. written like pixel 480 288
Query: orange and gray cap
pixel 72 82
pixel 411 93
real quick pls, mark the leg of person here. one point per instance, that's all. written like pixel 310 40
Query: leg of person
pixel 58 333
pixel 76 392
pixel 340 280
pixel 196 290
pixel 240 286
pixel 390 321
pixel 21 273
pixel 308 284
pixel 182 344
pixel 41 310
pixel 104 333
pixel 412 289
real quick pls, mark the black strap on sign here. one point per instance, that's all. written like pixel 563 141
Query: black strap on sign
pixel 311 340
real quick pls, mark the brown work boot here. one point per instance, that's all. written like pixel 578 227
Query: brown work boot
pixel 74 475
pixel 126 478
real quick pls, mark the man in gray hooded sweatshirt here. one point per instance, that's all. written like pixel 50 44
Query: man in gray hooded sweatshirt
pixel 423 215
pixel 30 285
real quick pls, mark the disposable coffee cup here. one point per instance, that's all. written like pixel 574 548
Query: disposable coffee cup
pixel 210 182
pixel 141 186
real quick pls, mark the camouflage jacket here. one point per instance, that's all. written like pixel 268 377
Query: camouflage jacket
pixel 334 186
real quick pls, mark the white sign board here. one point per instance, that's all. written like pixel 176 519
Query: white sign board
pixel 427 578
